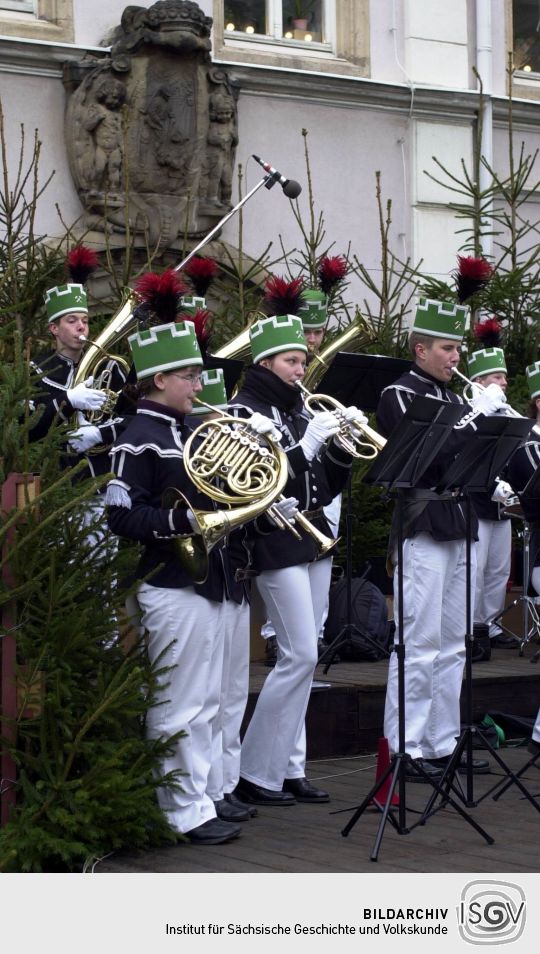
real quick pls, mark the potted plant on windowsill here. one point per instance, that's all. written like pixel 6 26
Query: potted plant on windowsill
pixel 301 14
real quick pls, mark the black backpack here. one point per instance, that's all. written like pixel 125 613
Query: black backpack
pixel 369 616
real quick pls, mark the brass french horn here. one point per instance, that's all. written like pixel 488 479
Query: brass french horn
pixel 359 440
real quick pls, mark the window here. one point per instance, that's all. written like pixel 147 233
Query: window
pixel 299 21
pixel 526 29
pixel 23 6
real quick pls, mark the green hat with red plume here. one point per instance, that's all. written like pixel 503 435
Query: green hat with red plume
pixel 313 310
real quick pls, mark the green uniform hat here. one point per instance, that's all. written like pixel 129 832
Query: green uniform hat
pixel 486 361
pixel 314 309
pixel 533 379
pixel 213 391
pixel 64 300
pixel 164 348
pixel 279 333
pixel 440 319
pixel 190 304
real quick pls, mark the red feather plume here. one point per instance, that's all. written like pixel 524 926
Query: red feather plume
pixel 488 333
pixel 472 275
pixel 202 319
pixel 201 273
pixel 282 297
pixel 162 292
pixel 331 271
pixel 81 262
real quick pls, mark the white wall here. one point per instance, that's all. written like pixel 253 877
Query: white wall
pixel 436 42
pixel 346 148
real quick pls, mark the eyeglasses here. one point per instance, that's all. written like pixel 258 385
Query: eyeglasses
pixel 192 378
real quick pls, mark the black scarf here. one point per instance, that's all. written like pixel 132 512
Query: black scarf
pixel 267 386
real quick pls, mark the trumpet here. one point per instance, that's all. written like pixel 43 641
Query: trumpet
pixel 469 393
pixel 359 440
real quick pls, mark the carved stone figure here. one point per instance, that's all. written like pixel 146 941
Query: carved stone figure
pixel 151 128
pixel 216 183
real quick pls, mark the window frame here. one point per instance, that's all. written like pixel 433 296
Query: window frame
pixel 19 6
pixel 238 39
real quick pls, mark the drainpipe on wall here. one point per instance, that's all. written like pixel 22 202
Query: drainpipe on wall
pixel 484 65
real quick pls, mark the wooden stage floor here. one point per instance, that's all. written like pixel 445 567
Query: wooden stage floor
pixel 307 838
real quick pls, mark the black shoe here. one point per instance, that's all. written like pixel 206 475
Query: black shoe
pixel 233 799
pixel 506 642
pixel 257 795
pixel 413 767
pixel 213 832
pixel 481 647
pixel 533 747
pixel 232 813
pixel 270 651
pixel 479 766
pixel 304 791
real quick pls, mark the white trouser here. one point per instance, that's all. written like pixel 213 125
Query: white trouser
pixel 434 585
pixel 294 599
pixel 332 512
pixel 184 632
pixel 493 569
pixel 297 762
pixel 225 768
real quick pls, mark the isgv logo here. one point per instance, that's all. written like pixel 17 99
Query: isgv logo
pixel 491 912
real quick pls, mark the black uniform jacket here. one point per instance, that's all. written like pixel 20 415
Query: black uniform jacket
pixel 146 461
pixel 443 519
pixel 521 467
pixel 314 483
pixel 57 374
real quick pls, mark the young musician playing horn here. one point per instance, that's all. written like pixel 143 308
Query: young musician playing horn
pixel 183 621
pixel 522 466
pixel 434 556
pixel 292 581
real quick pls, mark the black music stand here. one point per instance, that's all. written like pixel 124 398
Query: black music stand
pixel 411 448
pixel 359 380
pixel 474 471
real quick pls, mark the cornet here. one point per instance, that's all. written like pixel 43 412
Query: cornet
pixel 359 440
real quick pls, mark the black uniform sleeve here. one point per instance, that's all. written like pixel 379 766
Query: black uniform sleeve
pixel 130 512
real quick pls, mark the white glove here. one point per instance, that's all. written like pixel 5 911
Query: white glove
pixel 84 397
pixel 354 414
pixel 286 508
pixel 263 425
pixel 322 425
pixel 84 438
pixel 502 493
pixel 490 400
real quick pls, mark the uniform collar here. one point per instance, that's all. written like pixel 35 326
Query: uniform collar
pixel 428 377
pixel 145 406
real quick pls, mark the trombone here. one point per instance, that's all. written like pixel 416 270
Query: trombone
pixel 359 440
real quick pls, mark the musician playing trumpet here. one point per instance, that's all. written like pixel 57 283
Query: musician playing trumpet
pixel 291 579
pixel 434 554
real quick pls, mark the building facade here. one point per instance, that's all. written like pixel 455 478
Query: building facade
pixel 379 86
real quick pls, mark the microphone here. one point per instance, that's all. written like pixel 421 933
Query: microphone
pixel 291 188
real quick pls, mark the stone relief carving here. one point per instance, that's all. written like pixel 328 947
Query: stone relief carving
pixel 151 129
